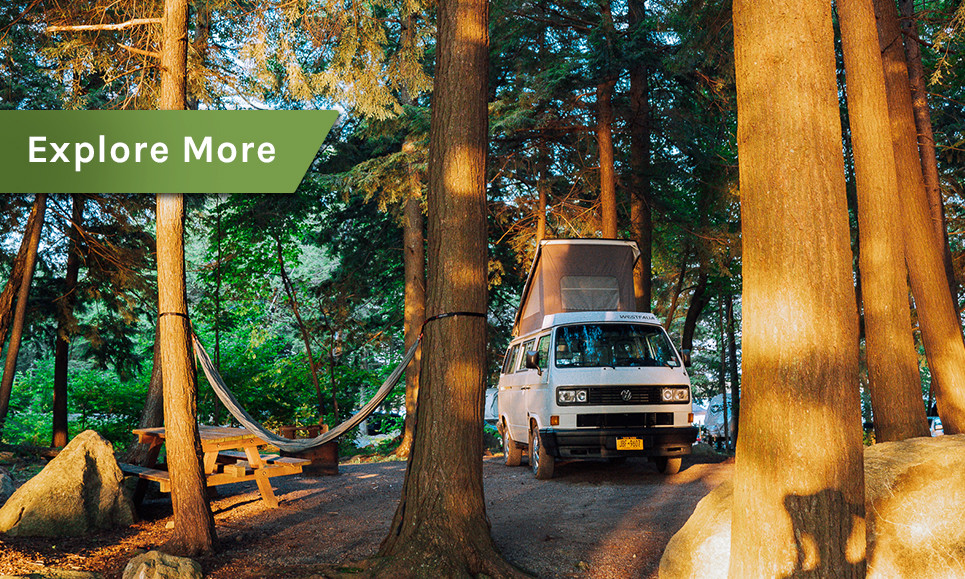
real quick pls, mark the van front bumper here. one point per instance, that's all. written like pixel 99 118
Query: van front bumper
pixel 602 442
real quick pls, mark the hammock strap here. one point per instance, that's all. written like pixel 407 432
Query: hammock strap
pixel 287 444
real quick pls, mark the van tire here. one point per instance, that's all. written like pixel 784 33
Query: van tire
pixel 542 462
pixel 514 456
pixel 668 465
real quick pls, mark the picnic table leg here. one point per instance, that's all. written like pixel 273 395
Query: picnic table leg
pixel 261 476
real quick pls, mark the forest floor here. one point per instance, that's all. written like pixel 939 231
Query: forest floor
pixel 592 520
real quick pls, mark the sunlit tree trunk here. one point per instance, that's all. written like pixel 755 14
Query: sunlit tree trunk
pixel 938 319
pixel 194 531
pixel 895 385
pixel 798 486
pixel 65 305
pixel 440 528
pixel 35 225
pixel 414 262
pixel 543 191
pixel 604 139
pixel 641 221
pixel 12 287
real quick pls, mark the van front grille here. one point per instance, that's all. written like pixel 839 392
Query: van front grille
pixel 624 395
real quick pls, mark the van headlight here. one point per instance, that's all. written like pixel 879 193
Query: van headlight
pixel 571 396
pixel 675 394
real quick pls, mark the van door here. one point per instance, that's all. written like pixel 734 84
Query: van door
pixel 534 391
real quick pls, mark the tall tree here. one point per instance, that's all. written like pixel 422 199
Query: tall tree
pixel 604 139
pixel 194 531
pixel 941 331
pixel 414 262
pixel 65 306
pixel 641 219
pixel 440 527
pixel 795 506
pixel 895 385
pixel 35 225
pixel 926 134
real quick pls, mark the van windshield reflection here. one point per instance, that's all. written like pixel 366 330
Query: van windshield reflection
pixel 613 345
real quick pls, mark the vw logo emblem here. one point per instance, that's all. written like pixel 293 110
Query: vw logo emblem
pixel 626 395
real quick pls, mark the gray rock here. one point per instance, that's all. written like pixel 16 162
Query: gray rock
pixel 914 498
pixel 77 492
pixel 157 565
pixel 6 486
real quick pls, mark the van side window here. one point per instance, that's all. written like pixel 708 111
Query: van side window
pixel 543 348
pixel 507 360
pixel 510 359
pixel 527 347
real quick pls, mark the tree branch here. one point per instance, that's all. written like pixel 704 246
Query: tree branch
pixel 139 51
pixel 121 26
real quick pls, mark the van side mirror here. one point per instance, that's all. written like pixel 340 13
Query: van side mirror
pixel 532 361
pixel 685 354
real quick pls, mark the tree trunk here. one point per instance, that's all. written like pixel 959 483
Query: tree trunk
pixel 798 505
pixel 12 287
pixel 440 528
pixel 414 261
pixel 65 305
pixel 677 290
pixel 543 191
pixel 303 329
pixel 604 139
pixel 20 309
pixel 698 301
pixel 938 319
pixel 735 396
pixel 895 385
pixel 194 531
pixel 926 137
pixel 641 221
pixel 152 415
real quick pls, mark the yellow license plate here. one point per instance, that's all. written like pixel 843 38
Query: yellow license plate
pixel 629 443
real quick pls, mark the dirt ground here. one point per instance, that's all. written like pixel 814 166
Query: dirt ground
pixel 593 520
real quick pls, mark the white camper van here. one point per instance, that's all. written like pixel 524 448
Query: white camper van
pixel 585 375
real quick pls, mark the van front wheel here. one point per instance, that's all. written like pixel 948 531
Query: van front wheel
pixel 514 456
pixel 542 462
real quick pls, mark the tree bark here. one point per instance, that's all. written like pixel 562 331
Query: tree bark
pixel 798 505
pixel 641 220
pixel 543 191
pixel 440 528
pixel 20 309
pixel 194 531
pixel 895 385
pixel 698 301
pixel 604 139
pixel 414 263
pixel 938 319
pixel 926 137
pixel 152 415
pixel 722 374
pixel 12 286
pixel 65 305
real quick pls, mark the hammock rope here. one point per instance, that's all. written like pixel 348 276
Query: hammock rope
pixel 241 415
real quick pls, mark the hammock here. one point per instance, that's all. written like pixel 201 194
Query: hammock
pixel 287 444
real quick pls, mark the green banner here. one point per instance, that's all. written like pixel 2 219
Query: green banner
pixel 158 151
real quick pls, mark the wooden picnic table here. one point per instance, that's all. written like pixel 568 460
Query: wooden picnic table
pixel 230 455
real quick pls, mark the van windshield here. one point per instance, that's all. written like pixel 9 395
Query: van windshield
pixel 613 345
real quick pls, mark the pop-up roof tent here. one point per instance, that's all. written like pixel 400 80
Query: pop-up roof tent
pixel 577 275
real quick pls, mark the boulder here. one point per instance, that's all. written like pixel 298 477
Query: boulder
pixel 77 492
pixel 914 497
pixel 6 486
pixel 158 565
